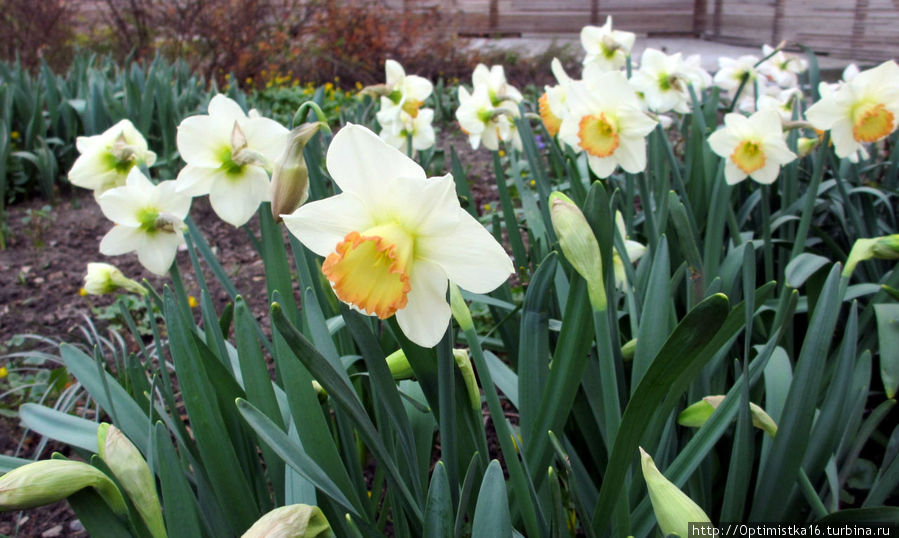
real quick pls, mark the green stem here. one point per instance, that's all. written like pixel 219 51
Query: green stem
pixel 611 406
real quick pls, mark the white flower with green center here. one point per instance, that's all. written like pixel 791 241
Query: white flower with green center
pixel 393 237
pixel 733 72
pixel 484 123
pixel 405 94
pixel 607 49
pixel 782 68
pixel 107 158
pixel 606 120
pixel 783 102
pixel 494 79
pixel 665 81
pixel 148 219
pixel 862 110
pixel 419 129
pixel 229 156
pixel 753 147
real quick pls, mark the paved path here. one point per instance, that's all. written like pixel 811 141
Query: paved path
pixel 534 44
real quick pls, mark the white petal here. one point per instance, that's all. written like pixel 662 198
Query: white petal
pixel 157 252
pixel 417 88
pixel 602 166
pixel 119 240
pixel 631 154
pixel 321 224
pixel 469 255
pixel 169 200
pixel 825 113
pixel 426 316
pixel 732 173
pixel 266 136
pixel 196 180
pixel 201 141
pixel 394 73
pixel 844 143
pixel 723 142
pixel 92 171
pixel 121 206
pixel 428 206
pixel 235 200
pixel 360 162
pixel 767 174
pixel 226 108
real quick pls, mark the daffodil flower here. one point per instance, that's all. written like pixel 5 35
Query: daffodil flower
pixel 733 72
pixel 148 219
pixel 484 123
pixel 782 68
pixel 419 128
pixel 665 80
pixel 607 49
pixel 107 158
pixel 752 147
pixel 861 110
pixel 229 156
pixel 494 79
pixel 393 237
pixel 553 104
pixel 405 94
pixel 606 120
pixel 783 102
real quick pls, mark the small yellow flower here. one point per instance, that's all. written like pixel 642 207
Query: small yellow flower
pixel 192 301
pixel 14 135
pixel 82 292
pixel 3 372
pixel 502 153
pixel 358 85
pixel 487 207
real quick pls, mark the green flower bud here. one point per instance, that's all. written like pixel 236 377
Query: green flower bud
pixel 399 365
pixel 629 349
pixel 460 310
pixel 103 278
pixel 884 248
pixel 674 510
pixel 463 361
pixel 131 470
pixel 292 521
pixel 49 481
pixel 697 414
pixel 290 178
pixel 887 247
pixel 579 245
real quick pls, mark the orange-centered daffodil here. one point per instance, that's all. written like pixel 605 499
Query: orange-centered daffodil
pixel 393 237
pixel 753 147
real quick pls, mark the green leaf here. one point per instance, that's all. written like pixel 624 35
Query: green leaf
pixel 654 322
pixel 491 515
pixel 439 508
pixel 802 267
pixel 60 426
pixel 182 515
pixel 888 337
pixel 675 366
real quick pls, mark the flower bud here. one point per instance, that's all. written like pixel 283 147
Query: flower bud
pixel 292 521
pixel 674 510
pixel 460 310
pixel 884 248
pixel 103 278
pixel 49 481
pixel 399 365
pixel 290 179
pixel 697 414
pixel 629 349
pixel 887 247
pixel 131 470
pixel 463 361
pixel 579 245
pixel 804 146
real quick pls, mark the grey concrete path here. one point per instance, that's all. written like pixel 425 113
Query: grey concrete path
pixel 710 51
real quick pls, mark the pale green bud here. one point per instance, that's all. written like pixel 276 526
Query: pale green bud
pixel 884 248
pixel 579 245
pixel 399 365
pixel 103 278
pixel 629 349
pixel 131 470
pixel 674 510
pixel 463 361
pixel 49 481
pixel 697 414
pixel 460 310
pixel 290 179
pixel 804 146
pixel 292 521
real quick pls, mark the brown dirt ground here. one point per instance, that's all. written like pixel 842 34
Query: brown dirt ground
pixel 42 268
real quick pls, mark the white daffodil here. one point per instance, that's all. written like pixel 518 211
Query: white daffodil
pixel 103 278
pixel 665 81
pixel 404 94
pixel 783 102
pixel 634 250
pixel 107 158
pixel 484 123
pixel 607 121
pixel 229 156
pixel 752 146
pixel 494 79
pixel 861 110
pixel 148 219
pixel 607 49
pixel 732 72
pixel 782 68
pixel 419 128
pixel 553 104
pixel 393 237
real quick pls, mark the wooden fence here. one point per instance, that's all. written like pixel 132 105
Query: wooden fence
pixel 863 30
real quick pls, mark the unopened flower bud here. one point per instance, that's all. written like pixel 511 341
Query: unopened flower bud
pixel 674 510
pixel 49 481
pixel 629 349
pixel 460 310
pixel 884 248
pixel 292 521
pixel 131 470
pixel 579 245
pixel 804 146
pixel 463 361
pixel 887 247
pixel 697 414
pixel 399 365
pixel 103 278
pixel 290 179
